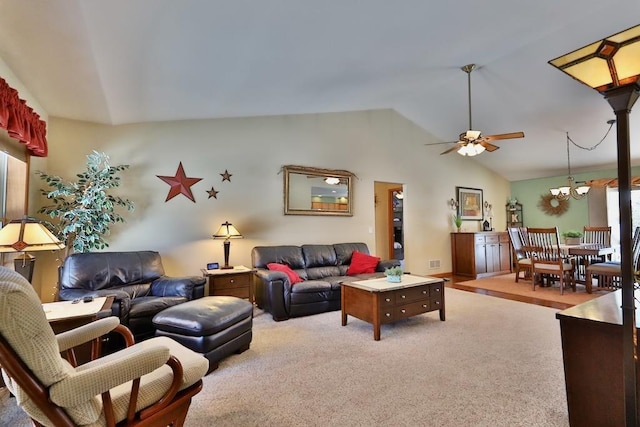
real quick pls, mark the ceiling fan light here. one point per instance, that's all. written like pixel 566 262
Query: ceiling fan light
pixel 472 135
pixel 464 151
pixel 479 148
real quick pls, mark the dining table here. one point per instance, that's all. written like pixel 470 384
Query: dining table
pixel 585 253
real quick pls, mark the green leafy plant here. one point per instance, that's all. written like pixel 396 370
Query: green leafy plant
pixel 457 220
pixel 393 271
pixel 85 209
pixel 572 233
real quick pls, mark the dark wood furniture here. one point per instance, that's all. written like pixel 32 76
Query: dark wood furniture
pixel 480 254
pixel 586 254
pixel 514 215
pixel 521 260
pixel 592 352
pixel 547 260
pixel 236 282
pixel 63 318
pixel 377 301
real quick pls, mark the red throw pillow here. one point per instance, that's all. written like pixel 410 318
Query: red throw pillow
pixel 362 263
pixel 293 276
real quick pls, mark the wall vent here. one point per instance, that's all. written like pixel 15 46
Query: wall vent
pixel 434 264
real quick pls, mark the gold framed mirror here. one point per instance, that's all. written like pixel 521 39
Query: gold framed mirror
pixel 316 191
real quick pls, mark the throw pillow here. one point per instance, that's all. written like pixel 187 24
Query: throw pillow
pixel 293 276
pixel 362 263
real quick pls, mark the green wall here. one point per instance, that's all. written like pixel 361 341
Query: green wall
pixel 528 193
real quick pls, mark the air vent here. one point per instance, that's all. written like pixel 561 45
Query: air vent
pixel 434 264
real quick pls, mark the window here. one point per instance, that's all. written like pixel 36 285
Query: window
pixel 613 216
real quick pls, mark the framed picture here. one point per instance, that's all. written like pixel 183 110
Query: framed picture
pixel 469 203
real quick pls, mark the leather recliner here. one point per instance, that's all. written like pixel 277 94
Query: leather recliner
pixel 136 280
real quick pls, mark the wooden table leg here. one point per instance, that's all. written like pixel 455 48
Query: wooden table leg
pixel 342 306
pixel 376 316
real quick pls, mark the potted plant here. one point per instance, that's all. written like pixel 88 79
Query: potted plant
pixel 572 237
pixel 394 274
pixel 84 208
pixel 457 221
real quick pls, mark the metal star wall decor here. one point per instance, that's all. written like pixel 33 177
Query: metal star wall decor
pixel 213 193
pixel 226 176
pixel 180 184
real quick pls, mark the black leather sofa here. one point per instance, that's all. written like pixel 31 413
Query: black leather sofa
pixel 322 268
pixel 136 280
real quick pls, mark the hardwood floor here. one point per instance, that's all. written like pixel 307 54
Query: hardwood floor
pixel 457 282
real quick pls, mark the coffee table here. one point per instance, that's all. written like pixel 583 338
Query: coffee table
pixel 377 301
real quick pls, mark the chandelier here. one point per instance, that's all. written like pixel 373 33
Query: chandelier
pixel 570 190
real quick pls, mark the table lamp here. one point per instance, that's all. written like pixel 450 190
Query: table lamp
pixel 27 235
pixel 227 231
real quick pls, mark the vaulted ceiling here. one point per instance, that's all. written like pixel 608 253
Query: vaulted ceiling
pixel 126 61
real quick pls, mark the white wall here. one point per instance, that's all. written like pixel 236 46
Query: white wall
pixel 375 145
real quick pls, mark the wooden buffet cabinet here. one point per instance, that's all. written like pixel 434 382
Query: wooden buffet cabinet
pixel 592 349
pixel 480 254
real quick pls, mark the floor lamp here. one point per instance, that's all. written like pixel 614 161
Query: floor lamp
pixel 27 235
pixel 612 67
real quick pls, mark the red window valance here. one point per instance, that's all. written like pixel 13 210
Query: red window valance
pixel 21 121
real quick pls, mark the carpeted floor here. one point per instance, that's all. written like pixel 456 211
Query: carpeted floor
pixel 493 362
pixel 506 284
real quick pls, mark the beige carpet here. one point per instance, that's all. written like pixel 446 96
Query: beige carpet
pixel 506 284
pixel 493 362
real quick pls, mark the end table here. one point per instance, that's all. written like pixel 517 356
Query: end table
pixel 234 282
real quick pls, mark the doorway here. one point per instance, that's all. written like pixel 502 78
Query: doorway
pixel 389 219
pixel 396 235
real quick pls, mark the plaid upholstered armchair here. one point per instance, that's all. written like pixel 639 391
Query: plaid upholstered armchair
pixel 150 383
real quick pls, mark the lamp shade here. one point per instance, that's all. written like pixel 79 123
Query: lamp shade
pixel 27 235
pixel 227 231
pixel 606 64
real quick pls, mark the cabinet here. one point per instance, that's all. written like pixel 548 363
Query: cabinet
pixel 236 282
pixel 514 215
pixel 480 254
pixel 592 349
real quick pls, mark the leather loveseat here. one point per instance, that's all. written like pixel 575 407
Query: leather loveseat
pixel 136 280
pixel 321 268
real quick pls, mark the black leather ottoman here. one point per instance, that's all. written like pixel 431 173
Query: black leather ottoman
pixel 214 326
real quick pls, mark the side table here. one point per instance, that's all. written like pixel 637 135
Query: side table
pixel 65 315
pixel 234 282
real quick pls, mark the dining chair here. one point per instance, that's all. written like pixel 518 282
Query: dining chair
pixel 146 384
pixel 597 235
pixel 521 257
pixel 607 273
pixel 547 259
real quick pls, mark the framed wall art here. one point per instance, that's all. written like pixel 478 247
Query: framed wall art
pixel 470 203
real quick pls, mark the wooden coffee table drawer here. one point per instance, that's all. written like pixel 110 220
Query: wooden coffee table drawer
pixel 411 294
pixel 436 297
pixel 408 310
pixel 387 299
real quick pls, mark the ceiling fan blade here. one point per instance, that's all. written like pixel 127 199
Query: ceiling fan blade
pixel 488 146
pixel 440 143
pixel 511 135
pixel 454 148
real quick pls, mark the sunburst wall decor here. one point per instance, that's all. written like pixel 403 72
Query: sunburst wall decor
pixel 552 206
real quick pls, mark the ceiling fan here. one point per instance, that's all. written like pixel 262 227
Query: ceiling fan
pixel 472 142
